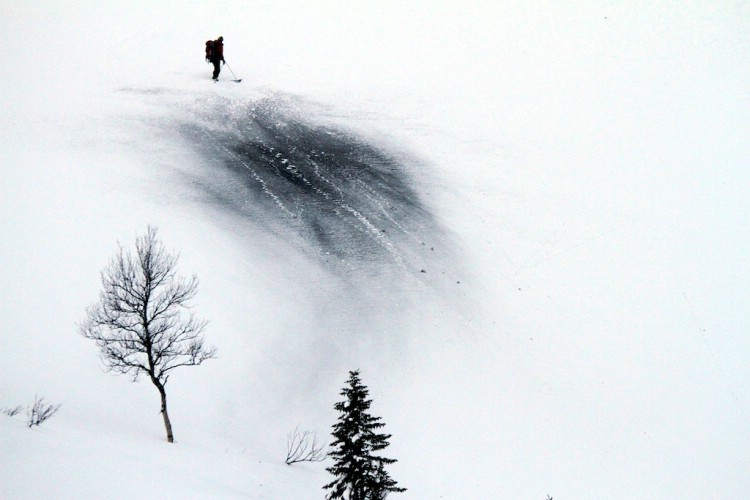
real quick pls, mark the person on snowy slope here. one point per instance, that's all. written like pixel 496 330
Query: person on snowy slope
pixel 217 56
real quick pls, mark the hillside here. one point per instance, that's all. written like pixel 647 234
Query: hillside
pixel 525 224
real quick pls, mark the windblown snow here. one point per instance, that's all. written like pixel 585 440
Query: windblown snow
pixel 526 224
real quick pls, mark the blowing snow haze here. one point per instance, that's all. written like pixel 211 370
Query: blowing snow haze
pixel 525 224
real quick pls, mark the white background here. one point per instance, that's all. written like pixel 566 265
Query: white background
pixel 589 162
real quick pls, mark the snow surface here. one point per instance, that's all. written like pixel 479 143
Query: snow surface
pixel 580 329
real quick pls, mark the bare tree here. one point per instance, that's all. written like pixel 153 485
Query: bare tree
pixel 142 323
pixel 303 447
pixel 39 411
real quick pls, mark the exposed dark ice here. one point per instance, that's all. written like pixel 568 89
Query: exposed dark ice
pixel 334 193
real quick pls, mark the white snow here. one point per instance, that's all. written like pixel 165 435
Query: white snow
pixel 590 165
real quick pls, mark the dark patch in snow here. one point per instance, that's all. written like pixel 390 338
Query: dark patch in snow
pixel 342 197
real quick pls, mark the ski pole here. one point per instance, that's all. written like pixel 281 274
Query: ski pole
pixel 230 70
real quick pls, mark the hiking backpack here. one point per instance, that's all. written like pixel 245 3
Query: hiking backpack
pixel 209 50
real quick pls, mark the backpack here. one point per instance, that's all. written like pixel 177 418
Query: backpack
pixel 209 50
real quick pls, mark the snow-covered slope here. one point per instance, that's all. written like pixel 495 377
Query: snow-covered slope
pixel 535 247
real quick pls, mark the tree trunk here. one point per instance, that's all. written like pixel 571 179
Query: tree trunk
pixel 164 414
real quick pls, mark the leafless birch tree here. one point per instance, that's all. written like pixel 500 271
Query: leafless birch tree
pixel 142 324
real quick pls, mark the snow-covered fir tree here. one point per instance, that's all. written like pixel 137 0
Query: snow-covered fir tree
pixel 359 473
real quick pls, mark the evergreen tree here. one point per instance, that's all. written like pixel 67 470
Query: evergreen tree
pixel 358 472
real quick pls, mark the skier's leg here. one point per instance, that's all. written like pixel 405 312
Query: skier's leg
pixel 217 69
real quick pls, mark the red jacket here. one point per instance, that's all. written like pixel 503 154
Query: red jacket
pixel 218 52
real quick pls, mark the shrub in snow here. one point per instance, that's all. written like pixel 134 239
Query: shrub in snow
pixel 12 411
pixel 303 447
pixel 40 411
pixel 140 323
pixel 359 472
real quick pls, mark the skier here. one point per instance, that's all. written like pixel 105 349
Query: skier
pixel 217 56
